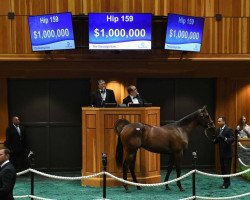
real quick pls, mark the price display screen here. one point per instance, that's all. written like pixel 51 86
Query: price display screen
pixel 120 30
pixel 51 32
pixel 184 33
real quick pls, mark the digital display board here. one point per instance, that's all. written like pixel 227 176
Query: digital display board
pixel 120 31
pixel 184 33
pixel 51 32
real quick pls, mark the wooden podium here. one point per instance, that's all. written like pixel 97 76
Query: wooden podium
pixel 98 136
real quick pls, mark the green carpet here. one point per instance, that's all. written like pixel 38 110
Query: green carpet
pixel 72 190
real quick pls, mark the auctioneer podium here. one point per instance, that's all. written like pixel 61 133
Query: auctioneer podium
pixel 98 136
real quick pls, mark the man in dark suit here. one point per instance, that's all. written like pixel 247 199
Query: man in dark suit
pixel 224 138
pixel 133 97
pixel 102 96
pixel 7 176
pixel 16 143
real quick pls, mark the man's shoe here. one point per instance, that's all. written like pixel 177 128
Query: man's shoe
pixel 224 187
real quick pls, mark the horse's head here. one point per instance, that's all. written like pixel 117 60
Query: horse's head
pixel 205 119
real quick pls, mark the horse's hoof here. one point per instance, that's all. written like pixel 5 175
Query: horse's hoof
pixel 181 189
pixel 138 187
pixel 126 188
pixel 167 187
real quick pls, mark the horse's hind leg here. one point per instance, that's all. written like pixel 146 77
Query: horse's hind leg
pixel 132 170
pixel 169 170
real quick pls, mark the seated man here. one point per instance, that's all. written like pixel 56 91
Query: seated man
pixel 133 97
pixel 102 95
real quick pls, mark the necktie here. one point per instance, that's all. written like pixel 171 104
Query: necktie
pixel 18 130
pixel 221 129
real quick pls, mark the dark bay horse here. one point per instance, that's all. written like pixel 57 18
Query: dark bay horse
pixel 170 139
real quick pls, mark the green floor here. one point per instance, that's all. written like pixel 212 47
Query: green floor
pixel 72 190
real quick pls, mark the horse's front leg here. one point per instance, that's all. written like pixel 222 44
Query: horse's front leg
pixel 178 169
pixel 132 170
pixel 169 170
pixel 125 174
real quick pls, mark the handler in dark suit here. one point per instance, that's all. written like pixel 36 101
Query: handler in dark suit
pixel 133 97
pixel 102 96
pixel 7 176
pixel 225 138
pixel 16 143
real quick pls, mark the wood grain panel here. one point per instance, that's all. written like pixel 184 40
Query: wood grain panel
pixel 226 100
pixel 109 121
pixel 234 8
pixel 73 6
pixel 152 161
pixel 110 139
pixel 207 8
pixel 91 153
pixel 233 35
pixel 225 106
pixel 91 121
pixel 210 33
pixel 177 7
pixel 5 35
pixel 31 7
pixel 243 100
pixel 244 35
pixel 3 108
pixel 21 37
pixel 245 8
pixel 5 7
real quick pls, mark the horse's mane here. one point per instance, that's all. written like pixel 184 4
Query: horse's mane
pixel 187 119
pixel 182 122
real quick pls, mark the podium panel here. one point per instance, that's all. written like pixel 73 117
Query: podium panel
pixel 98 136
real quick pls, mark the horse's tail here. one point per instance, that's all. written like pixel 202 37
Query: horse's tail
pixel 119 124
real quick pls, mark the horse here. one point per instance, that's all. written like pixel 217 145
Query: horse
pixel 169 139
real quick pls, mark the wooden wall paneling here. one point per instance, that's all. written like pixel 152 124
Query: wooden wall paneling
pixel 234 8
pixel 21 37
pixel 31 7
pixel 207 8
pixel 227 28
pixel 5 35
pixel 73 6
pixel 176 6
pixel 245 8
pixel 243 99
pixel 149 7
pixel 125 5
pixel 191 7
pixel 226 100
pixel 226 106
pixel 211 7
pixel 235 36
pixel 225 7
pixel 210 39
pixel 5 7
pixel 244 33
pixel 95 6
pixel 3 108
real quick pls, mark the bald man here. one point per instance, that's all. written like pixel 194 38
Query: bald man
pixel 16 143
